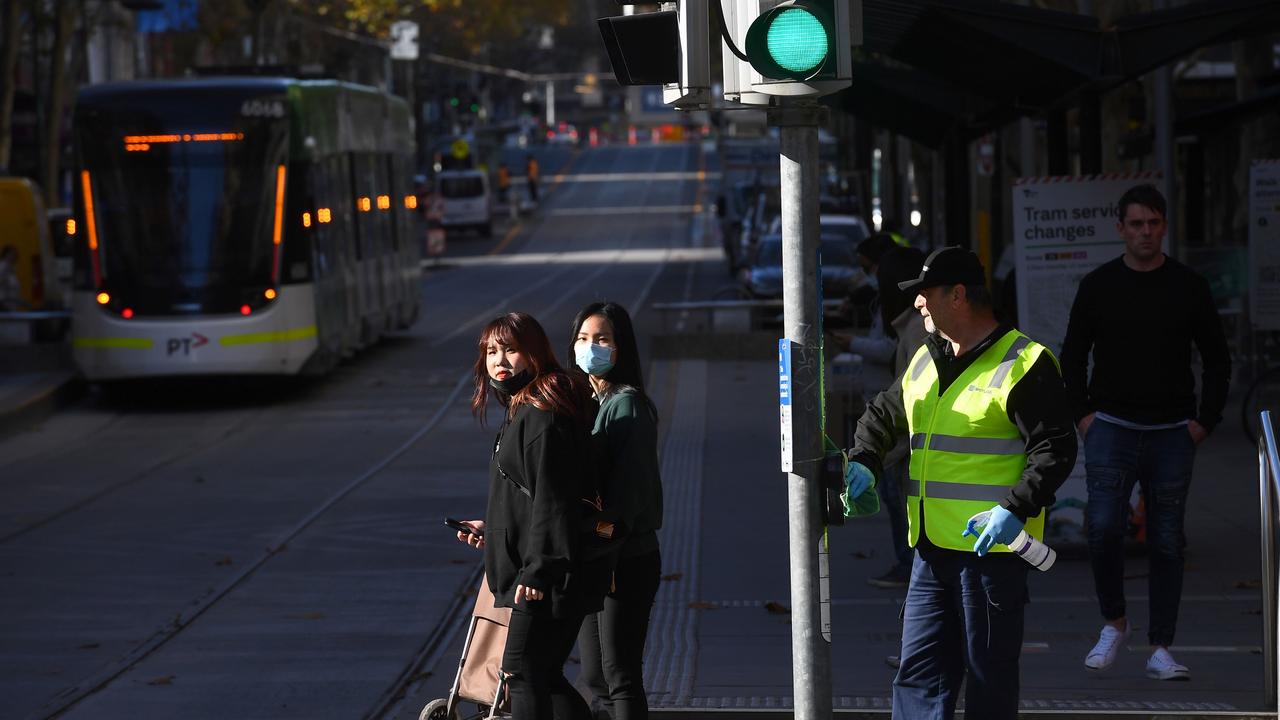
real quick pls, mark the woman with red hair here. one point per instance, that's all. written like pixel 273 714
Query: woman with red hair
pixel 539 473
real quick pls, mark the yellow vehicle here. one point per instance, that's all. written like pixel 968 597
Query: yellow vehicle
pixel 23 225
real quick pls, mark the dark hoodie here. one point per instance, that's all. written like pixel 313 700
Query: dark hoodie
pixel 538 475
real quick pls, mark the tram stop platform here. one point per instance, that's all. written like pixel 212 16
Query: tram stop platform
pixel 35 379
pixel 720 636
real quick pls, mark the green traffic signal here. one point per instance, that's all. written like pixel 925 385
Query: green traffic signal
pixel 790 42
pixel 453 102
pixel 797 41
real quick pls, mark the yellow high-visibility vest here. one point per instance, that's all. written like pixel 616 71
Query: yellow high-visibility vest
pixel 965 452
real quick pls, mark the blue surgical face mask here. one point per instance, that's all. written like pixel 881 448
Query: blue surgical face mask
pixel 593 359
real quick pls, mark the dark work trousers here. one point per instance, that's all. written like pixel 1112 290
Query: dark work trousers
pixel 1160 461
pixel 534 657
pixel 612 640
pixel 962 613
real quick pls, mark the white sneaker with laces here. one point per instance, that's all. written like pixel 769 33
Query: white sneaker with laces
pixel 1104 652
pixel 1162 666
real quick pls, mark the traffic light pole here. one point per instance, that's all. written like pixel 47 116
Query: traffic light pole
pixel 810 652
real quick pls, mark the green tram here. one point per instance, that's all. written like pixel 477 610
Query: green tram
pixel 240 225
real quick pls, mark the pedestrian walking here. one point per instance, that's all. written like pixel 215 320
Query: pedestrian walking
pixel 539 472
pixel 504 182
pixel 902 336
pixel 625 439
pixel 531 173
pixel 984 409
pixel 1138 316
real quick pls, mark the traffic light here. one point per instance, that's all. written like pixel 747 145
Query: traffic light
pixel 668 48
pixel 795 48
pixel 643 49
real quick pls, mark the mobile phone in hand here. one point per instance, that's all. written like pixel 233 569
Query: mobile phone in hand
pixel 463 527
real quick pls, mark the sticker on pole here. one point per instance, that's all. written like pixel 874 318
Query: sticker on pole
pixel 785 397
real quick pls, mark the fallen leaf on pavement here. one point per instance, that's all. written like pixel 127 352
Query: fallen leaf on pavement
pixel 90 646
pixel 223 562
pixel 672 577
pixel 701 605
pixel 1249 585
pixel 166 680
pixel 776 608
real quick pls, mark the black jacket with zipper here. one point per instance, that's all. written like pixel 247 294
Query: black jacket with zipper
pixel 538 474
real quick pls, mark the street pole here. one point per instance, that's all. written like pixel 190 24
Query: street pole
pixel 810 652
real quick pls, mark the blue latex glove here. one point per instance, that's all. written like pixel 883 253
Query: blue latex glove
pixel 857 478
pixel 1002 527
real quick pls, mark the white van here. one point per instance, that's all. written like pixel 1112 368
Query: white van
pixel 465 200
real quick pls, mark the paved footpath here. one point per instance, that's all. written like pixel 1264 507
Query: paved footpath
pixel 721 635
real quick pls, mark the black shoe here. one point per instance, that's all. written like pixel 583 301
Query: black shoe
pixel 897 577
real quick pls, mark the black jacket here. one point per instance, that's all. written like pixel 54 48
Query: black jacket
pixel 1139 327
pixel 539 473
pixel 1037 406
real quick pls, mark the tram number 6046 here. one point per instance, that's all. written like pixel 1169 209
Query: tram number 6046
pixel 185 344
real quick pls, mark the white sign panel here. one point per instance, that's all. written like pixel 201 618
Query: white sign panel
pixel 1063 227
pixel 785 397
pixel 404 40
pixel 1264 244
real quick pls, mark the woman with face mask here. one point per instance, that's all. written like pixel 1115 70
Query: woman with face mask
pixel 532 531
pixel 625 440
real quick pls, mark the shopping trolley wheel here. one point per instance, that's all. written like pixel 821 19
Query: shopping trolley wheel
pixel 436 710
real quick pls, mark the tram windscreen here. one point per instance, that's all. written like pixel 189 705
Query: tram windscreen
pixel 184 191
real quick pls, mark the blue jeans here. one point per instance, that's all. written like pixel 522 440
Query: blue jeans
pixel 962 613
pixel 1160 462
pixel 893 497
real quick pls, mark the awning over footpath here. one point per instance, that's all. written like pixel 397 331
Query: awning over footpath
pixel 933 69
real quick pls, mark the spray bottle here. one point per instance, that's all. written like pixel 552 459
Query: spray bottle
pixel 1040 556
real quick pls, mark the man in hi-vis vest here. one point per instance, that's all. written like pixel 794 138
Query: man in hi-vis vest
pixel 986 413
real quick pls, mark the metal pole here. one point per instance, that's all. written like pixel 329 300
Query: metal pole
pixel 1267 459
pixel 810 653
pixel 551 103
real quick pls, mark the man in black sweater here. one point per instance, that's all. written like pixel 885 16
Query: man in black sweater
pixel 1139 315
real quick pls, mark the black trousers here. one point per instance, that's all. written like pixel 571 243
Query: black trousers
pixel 537 647
pixel 612 641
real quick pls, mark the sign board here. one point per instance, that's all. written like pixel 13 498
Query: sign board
pixel 460 149
pixel 1063 227
pixel 1264 244
pixel 404 40
pixel 786 398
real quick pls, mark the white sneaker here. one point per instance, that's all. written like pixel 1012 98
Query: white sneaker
pixel 1104 653
pixel 1162 666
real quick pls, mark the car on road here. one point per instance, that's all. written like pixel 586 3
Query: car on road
pixel 465 200
pixel 850 227
pixel 764 278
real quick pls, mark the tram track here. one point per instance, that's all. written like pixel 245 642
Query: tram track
pixel 68 699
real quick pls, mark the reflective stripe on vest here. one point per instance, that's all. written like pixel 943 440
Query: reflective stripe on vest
pixel 966 454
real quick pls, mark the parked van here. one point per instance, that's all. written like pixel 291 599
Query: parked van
pixel 24 226
pixel 466 202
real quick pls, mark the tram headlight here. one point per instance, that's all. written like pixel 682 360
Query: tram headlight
pixel 270 294
pixel 103 298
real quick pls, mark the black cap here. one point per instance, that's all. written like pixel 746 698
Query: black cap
pixel 948 266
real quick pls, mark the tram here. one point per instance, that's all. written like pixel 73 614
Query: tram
pixel 240 225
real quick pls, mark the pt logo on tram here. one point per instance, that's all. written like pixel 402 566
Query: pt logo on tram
pixel 185 344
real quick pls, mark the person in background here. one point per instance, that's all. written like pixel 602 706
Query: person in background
pixel 626 456
pixel 539 473
pixel 532 174
pixel 904 328
pixel 504 182
pixel 1138 315
pixel 10 286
